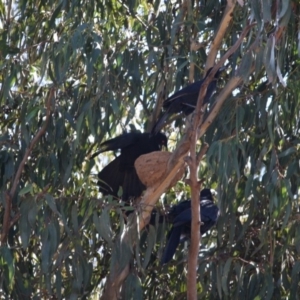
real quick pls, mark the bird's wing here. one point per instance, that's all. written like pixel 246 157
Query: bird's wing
pixel 132 186
pixel 178 209
pixel 209 211
pixel 185 100
pixel 188 92
pixel 184 217
pixel 172 243
pixel 110 178
pixel 209 215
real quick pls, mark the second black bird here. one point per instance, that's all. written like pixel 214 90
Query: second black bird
pixel 185 100
pixel 181 216
pixel 121 172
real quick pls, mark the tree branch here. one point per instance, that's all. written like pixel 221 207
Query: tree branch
pixel 215 45
pixel 9 195
pixel 201 153
pixel 196 221
pixel 195 205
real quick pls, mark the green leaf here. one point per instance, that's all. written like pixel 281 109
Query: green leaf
pixel 266 10
pixel 45 253
pixel 285 13
pixel 79 124
pixel 51 202
pixel 225 275
pixel 255 5
pixel 28 188
pixel 287 152
pixel 32 113
pixel 7 266
pixel 103 226
pixel 270 59
pixel 77 40
pixel 259 59
pixel 58 284
pixel 32 214
pixel 175 26
pixel 151 239
pixel 74 215
pixel 25 228
pixel 245 66
pixel 68 171
pixel 295 280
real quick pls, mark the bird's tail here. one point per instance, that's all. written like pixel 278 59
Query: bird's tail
pixel 159 124
pixel 173 241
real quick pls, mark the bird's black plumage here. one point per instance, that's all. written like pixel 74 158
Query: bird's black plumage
pixel 181 216
pixel 121 171
pixel 185 100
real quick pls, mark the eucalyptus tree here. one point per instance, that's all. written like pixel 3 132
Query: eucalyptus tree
pixel 76 73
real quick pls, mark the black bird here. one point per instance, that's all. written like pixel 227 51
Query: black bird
pixel 121 171
pixel 181 216
pixel 185 100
